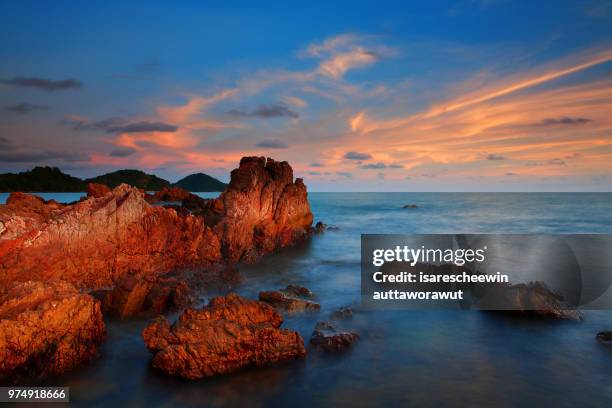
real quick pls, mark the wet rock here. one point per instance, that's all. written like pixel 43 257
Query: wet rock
pixel 411 206
pixel 46 329
pixel 291 299
pixel 530 299
pixel 230 333
pixel 605 338
pixel 320 228
pixel 96 190
pixel 342 313
pixel 326 337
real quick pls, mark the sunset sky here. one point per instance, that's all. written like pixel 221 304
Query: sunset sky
pixel 459 95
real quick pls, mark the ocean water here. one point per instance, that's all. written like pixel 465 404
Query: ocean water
pixel 408 358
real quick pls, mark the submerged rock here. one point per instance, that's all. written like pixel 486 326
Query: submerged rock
pixel 342 313
pixel 531 299
pixel 230 333
pixel 411 206
pixel 320 228
pixel 291 299
pixel 47 329
pixel 605 338
pixel 326 337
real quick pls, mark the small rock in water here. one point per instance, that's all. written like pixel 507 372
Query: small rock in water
pixel 342 313
pixel 290 299
pixel 326 337
pixel 605 338
pixel 320 227
pixel 411 206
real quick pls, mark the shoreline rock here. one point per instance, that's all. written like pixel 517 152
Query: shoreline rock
pixel 228 334
pixel 605 338
pixel 327 338
pixel 291 299
pixel 47 329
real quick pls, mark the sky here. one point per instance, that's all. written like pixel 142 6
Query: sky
pixel 463 95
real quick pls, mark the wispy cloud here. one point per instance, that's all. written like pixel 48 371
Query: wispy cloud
pixel 272 144
pixel 23 108
pixel 265 112
pixel 43 83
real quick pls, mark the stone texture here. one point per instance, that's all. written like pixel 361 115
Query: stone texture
pixel 46 329
pixel 326 337
pixel 229 333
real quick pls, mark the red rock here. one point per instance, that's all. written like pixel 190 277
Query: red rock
pixel 46 329
pixel 262 210
pixel 97 190
pixel 98 241
pixel 230 333
pixel 169 194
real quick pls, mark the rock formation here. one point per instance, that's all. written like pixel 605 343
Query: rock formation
pixel 46 329
pixel 98 241
pixel 229 333
pixel 291 299
pixel 605 338
pixel 326 337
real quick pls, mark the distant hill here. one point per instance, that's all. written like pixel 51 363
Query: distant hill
pixel 200 182
pixel 53 180
pixel 41 179
pixel 136 178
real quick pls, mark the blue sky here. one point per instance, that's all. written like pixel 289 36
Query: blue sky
pixel 456 95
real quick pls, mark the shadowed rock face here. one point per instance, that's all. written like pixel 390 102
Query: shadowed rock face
pixel 230 333
pixel 98 241
pixel 46 329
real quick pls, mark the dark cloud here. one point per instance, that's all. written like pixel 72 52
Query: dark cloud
pixel 314 173
pixel 272 144
pixel 119 125
pixel 357 156
pixel 510 174
pixel 495 157
pixel 564 120
pixel 556 162
pixel 396 166
pixel 123 152
pixel 344 174
pixel 23 108
pixel 374 166
pixel 316 165
pixel 572 156
pixel 148 66
pixel 266 112
pixel 43 83
pixel 42 156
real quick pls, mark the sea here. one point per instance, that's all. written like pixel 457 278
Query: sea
pixel 422 358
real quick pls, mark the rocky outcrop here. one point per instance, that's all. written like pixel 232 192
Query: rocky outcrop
pixel 342 313
pixel 109 235
pixel 230 333
pixel 530 299
pixel 326 337
pixel 291 299
pixel 262 210
pixel 46 329
pixel 96 242
pixel 96 190
pixel 168 194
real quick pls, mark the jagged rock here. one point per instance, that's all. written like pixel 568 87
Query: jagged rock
pixel 230 333
pixel 168 194
pixel 411 206
pixel 605 338
pixel 96 242
pixel 97 190
pixel 342 313
pixel 326 337
pixel 46 329
pixel 261 210
pixel 290 299
pixel 531 299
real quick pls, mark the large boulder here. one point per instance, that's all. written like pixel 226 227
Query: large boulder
pixel 327 337
pixel 261 210
pixel 230 333
pixel 46 329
